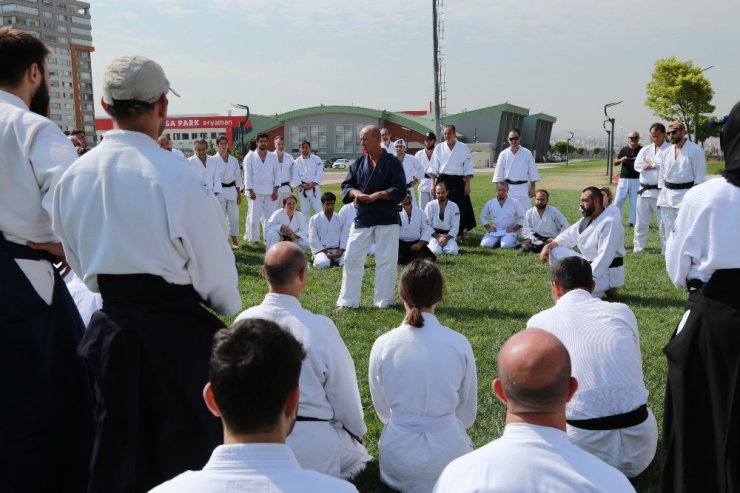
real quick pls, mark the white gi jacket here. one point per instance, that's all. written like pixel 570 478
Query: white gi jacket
pixel 502 216
pixel 229 171
pixel 604 346
pixel 423 384
pixel 551 224
pixel 416 227
pixel 254 467
pixel 449 222
pixel 600 242
pixel 412 168
pixel 689 166
pixel 210 173
pixel 531 459
pixel 324 233
pixel 516 167
pixel 328 387
pixel 698 247
pixel 425 183
pixel 456 161
pixel 147 214
pixel 308 170
pixel 280 218
pixel 261 176
pixel 649 155
pixel 285 169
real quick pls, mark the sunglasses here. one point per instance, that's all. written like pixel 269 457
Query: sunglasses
pixel 513 138
pixel 671 132
pixel 634 138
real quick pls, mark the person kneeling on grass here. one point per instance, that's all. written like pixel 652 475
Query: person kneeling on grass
pixel 326 234
pixel 415 233
pixel 502 217
pixel 287 224
pixel 444 217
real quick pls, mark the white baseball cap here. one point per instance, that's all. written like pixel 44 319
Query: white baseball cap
pixel 400 143
pixel 134 78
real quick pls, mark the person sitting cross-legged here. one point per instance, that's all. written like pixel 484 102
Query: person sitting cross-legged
pixel 287 224
pixel 502 217
pixel 326 234
pixel 444 217
pixel 542 223
pixel 415 233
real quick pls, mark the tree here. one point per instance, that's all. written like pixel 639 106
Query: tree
pixel 596 151
pixel 561 147
pixel 679 91
pixel 705 131
pixel 580 150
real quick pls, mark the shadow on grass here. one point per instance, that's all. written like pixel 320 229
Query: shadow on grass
pixel 368 481
pixel 465 312
pixel 649 301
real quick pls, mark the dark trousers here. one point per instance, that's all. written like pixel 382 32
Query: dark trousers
pixel 405 255
pixel 149 349
pixel 456 189
pixel 701 423
pixel 46 409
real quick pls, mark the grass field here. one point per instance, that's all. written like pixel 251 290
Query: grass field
pixel 490 294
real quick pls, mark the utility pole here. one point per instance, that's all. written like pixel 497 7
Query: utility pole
pixel 435 45
pixel 567 148
pixel 610 151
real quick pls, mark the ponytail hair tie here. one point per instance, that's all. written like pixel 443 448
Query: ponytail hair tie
pixel 416 306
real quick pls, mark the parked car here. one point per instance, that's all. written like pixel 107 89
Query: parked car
pixel 341 164
pixel 329 162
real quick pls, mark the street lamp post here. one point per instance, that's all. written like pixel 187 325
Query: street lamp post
pixel 567 148
pixel 242 124
pixel 610 133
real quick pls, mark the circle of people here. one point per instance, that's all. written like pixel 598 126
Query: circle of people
pixel 144 232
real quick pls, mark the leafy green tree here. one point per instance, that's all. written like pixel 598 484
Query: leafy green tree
pixel 705 132
pixel 580 151
pixel 596 151
pixel 561 147
pixel 679 91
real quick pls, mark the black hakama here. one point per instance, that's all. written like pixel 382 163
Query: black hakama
pixel 456 193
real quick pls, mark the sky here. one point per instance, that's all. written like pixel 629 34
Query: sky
pixel 566 59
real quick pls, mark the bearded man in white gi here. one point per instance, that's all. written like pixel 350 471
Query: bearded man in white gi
pixel 262 184
pixel 647 164
pixel 146 233
pixel 516 166
pixel 443 216
pixel 502 217
pixel 256 417
pixel 608 415
pixel 46 418
pixel 599 237
pixel 231 182
pixel 682 165
pixel 285 169
pixel 308 171
pixel 534 454
pixel 287 224
pixel 206 168
pixel 412 168
pixel 416 232
pixel 453 164
pixel 165 143
pixel 542 223
pixel 330 422
pixel 424 156
pixel 326 234
pixel 386 142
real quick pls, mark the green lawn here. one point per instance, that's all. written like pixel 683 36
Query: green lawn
pixel 490 294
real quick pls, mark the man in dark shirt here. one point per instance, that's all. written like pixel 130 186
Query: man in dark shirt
pixel 377 181
pixel 629 179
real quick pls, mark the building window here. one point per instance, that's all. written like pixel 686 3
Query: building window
pixel 67 63
pixel 70 118
pixel 84 65
pixel 90 129
pixel 62 40
pixel 62 29
pixel 69 106
pixel 47 3
pixel 81 42
pixel 87 118
pixel 54 95
pixel 55 83
pixel 50 37
pixel 315 134
pixel 12 7
pixel 56 106
pixel 88 107
pixel 80 31
pixel 85 75
pixel 86 85
pixel 53 61
pixel 61 17
pixel 80 20
pixel 56 117
pixel 47 15
pixel 193 136
pixel 87 97
pixel 347 138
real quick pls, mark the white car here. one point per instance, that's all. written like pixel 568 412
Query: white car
pixel 341 164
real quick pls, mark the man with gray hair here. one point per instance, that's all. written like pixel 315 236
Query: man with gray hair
pixel 205 167
pixel 608 415
pixel 330 421
pixel 534 454
pixel 147 233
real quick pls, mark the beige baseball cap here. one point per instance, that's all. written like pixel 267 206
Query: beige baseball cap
pixel 134 78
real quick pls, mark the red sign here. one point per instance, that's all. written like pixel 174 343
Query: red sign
pixel 186 122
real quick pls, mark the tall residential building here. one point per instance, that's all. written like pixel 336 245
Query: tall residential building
pixel 65 28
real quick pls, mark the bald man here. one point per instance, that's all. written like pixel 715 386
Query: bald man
pixel 328 433
pixel 534 454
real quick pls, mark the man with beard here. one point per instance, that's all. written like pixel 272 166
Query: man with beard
pixel 443 216
pixel 599 237
pixel 542 223
pixel 229 175
pixel 516 167
pixel 412 168
pixel 647 164
pixel 701 437
pixel 262 183
pixel 386 142
pixel 629 178
pixel 80 134
pixel 453 164
pixel 165 143
pixel 146 233
pixel 424 156
pixel 205 167
pixel 46 420
pixel 682 166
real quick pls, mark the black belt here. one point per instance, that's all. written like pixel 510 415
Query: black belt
pixel 616 422
pixel 679 186
pixel 146 289
pixel 286 183
pixel 410 185
pixel 617 262
pixel 230 184
pixel 644 187
pixel 694 285
pixel 426 175
pixel 18 251
pixel 512 182
pixel 442 231
pixel 308 418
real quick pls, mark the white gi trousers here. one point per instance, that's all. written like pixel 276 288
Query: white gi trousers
pixel 321 261
pixel 423 190
pixel 312 441
pixel 668 216
pixel 520 193
pixel 385 238
pixel 310 199
pixel 450 247
pixel 612 278
pixel 232 214
pixel 260 210
pixel 507 240
pixel 627 187
pixel 283 191
pixel 646 209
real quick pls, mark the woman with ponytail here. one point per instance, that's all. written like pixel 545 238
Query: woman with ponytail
pixel 424 387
